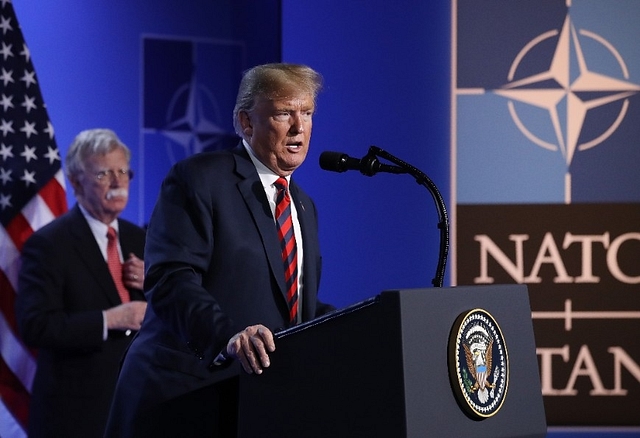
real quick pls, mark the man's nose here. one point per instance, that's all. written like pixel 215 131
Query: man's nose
pixel 297 127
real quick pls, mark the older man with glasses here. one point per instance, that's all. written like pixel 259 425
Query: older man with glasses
pixel 80 292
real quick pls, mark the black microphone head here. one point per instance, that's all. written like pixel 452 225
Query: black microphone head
pixel 333 161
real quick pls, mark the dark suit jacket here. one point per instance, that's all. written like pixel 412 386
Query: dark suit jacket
pixel 214 268
pixel 64 285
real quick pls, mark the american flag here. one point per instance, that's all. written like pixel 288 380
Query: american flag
pixel 32 193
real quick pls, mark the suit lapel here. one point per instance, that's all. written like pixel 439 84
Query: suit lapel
pixel 253 193
pixel 309 235
pixel 89 253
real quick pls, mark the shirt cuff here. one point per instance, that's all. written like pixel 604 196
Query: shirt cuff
pixel 105 332
pixel 221 358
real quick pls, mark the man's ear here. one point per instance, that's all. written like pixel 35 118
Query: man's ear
pixel 77 187
pixel 245 122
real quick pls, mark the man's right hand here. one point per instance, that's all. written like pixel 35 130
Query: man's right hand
pixel 252 347
pixel 126 316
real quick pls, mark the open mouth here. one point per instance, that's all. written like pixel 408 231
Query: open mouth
pixel 294 146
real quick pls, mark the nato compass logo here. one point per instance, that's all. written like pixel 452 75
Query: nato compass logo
pixel 568 91
pixel 546 95
pixel 478 364
pixel 189 91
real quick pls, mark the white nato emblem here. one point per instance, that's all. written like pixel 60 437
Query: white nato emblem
pixel 568 95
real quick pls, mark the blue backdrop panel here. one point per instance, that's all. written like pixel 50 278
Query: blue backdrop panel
pixel 188 98
pixel 386 70
pixel 88 57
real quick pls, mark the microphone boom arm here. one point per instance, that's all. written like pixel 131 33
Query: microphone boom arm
pixel 443 224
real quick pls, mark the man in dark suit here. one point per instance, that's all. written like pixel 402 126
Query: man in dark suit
pixel 69 306
pixel 216 283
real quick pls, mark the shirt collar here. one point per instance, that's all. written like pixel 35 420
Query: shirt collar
pixel 98 227
pixel 267 176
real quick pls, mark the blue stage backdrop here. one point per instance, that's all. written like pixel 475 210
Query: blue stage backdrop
pixel 94 61
pixel 386 70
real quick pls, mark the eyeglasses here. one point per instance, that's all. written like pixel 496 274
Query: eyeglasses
pixel 106 176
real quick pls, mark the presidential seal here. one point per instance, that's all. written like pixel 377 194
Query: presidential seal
pixel 478 364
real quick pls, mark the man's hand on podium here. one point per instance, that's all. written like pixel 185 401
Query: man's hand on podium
pixel 252 347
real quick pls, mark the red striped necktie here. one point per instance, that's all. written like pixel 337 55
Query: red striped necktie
pixel 115 267
pixel 284 225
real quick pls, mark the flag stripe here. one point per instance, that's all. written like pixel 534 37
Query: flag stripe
pixel 13 395
pixel 55 195
pixel 19 230
pixel 36 213
pixel 9 259
pixel 15 356
pixel 9 427
pixel 7 300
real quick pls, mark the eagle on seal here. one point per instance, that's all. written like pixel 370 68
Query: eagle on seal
pixel 479 363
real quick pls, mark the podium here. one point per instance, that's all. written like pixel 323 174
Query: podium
pixel 380 368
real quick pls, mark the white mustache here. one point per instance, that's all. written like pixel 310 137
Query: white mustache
pixel 117 193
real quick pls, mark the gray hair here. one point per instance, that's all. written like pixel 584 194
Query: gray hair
pixel 267 80
pixel 89 143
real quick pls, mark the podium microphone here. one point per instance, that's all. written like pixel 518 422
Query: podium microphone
pixel 368 165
